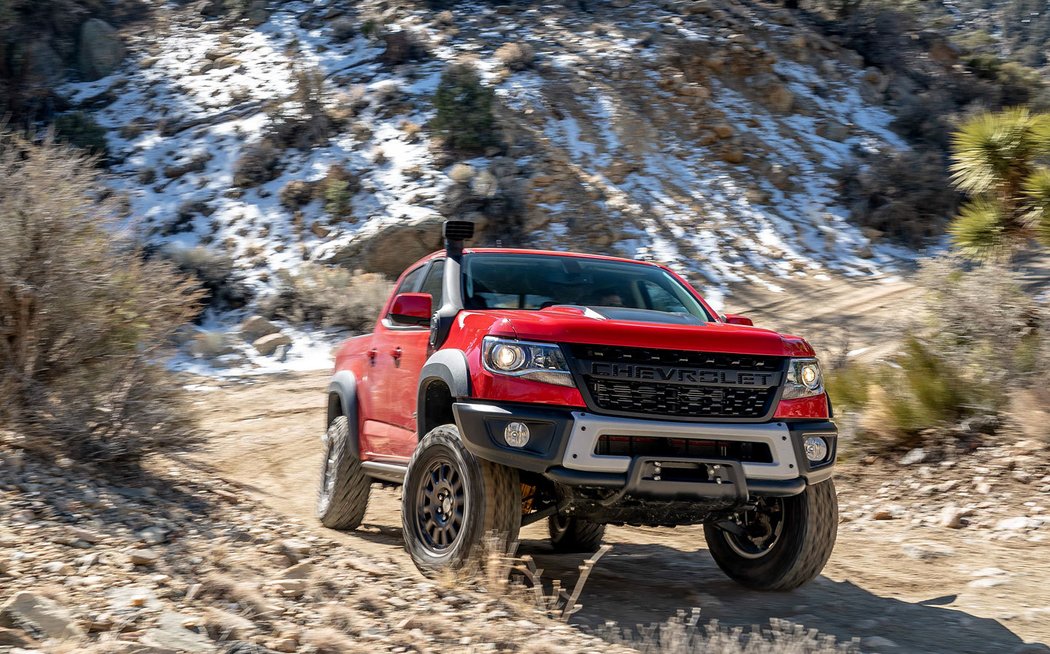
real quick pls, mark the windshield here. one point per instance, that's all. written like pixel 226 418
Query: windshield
pixel 619 289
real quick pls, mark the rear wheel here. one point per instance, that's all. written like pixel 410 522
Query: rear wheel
pixel 572 534
pixel 782 544
pixel 456 508
pixel 343 496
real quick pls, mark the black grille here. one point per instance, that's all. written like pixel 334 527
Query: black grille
pixel 671 390
pixel 684 401
pixel 707 360
pixel 683 447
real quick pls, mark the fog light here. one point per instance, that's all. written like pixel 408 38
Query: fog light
pixel 516 434
pixel 816 448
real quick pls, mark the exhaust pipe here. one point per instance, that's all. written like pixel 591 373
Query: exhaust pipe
pixel 456 233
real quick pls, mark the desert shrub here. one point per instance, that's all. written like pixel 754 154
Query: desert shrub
pixel 337 197
pixel 259 163
pixel 83 317
pixel 216 272
pixel 515 56
pixel 82 131
pixel 982 343
pixel 306 123
pixel 296 194
pixel 464 116
pixel 847 385
pixel 343 29
pixel 329 296
pixel 905 196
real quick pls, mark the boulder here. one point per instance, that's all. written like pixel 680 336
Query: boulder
pixel 43 65
pixel 393 247
pixel 268 344
pixel 26 610
pixel 256 327
pixel 101 49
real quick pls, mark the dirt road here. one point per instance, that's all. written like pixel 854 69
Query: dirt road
pixel 265 437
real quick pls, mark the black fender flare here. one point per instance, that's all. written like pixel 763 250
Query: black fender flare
pixel 448 366
pixel 342 400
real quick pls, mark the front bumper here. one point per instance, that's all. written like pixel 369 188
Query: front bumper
pixel 563 444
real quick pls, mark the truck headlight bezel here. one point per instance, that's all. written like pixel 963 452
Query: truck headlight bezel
pixel 804 379
pixel 542 362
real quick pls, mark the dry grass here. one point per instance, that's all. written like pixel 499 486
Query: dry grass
pixel 345 619
pixel 243 593
pixel 684 635
pixel 326 640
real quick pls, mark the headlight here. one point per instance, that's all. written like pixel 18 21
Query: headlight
pixel 803 379
pixel 537 361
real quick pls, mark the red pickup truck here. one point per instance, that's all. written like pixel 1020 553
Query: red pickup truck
pixel 502 387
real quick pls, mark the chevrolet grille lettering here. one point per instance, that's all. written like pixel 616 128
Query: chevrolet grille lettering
pixel 675 375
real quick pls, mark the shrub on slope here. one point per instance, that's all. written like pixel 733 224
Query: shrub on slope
pixel 82 315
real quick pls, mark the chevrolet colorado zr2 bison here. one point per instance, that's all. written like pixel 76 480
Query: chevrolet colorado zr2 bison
pixel 502 387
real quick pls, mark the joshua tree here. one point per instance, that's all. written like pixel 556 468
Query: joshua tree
pixel 1001 161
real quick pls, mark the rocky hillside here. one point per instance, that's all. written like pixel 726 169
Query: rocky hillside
pixel 701 133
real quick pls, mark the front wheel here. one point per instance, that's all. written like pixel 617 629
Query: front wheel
pixel 780 545
pixel 452 502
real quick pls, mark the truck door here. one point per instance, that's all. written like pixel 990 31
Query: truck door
pixel 401 352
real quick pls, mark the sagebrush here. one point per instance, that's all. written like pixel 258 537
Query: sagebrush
pixel 329 296
pixel 83 316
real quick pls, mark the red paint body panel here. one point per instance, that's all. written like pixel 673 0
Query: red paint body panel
pixel 388 362
pixel 806 407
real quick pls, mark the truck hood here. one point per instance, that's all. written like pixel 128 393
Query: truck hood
pixel 635 328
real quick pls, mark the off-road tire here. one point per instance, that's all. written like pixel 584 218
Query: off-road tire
pixel 804 546
pixel 572 534
pixel 490 505
pixel 342 505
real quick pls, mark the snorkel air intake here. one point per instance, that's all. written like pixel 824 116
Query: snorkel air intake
pixel 456 233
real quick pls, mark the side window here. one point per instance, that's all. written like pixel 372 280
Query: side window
pixel 411 280
pixel 434 283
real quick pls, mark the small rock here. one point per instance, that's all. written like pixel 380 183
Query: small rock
pixel 144 557
pixel 951 517
pixel 1013 524
pixel 298 571
pixel 153 535
pixel 918 455
pixel 295 549
pixel 882 514
pixel 284 645
pixel 41 613
pixel 267 345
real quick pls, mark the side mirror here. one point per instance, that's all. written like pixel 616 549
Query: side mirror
pixel 734 319
pixel 411 309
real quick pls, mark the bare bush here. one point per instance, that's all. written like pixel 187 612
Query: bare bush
pixel 83 317
pixel 515 56
pixel 306 122
pixel 258 164
pixel 215 271
pixel 329 296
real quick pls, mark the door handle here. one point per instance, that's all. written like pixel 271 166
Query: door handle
pixel 397 357
pixel 372 356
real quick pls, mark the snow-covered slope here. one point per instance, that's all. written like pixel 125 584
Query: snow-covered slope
pixel 704 134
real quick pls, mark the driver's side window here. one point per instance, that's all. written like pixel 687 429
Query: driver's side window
pixel 434 283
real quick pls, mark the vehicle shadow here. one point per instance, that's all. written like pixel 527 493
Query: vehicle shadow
pixel 641 584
